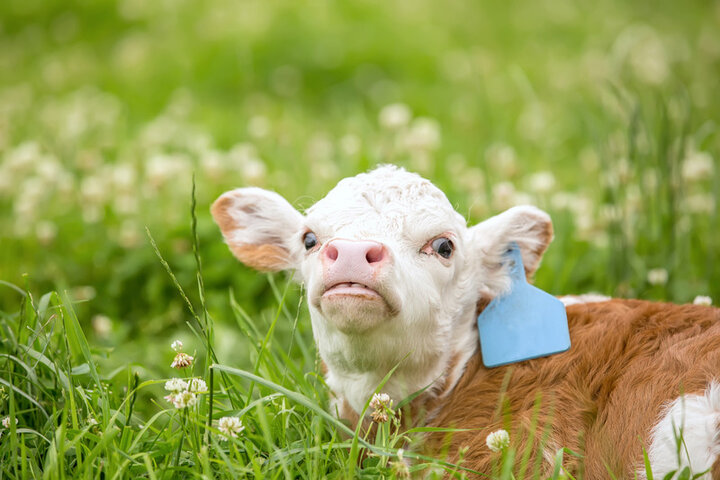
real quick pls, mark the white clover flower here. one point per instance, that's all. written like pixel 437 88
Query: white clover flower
pixel 380 400
pixel 176 385
pixel 498 440
pixel 503 195
pixel 91 420
pixel 703 203
pixel 197 385
pixel 657 276
pixel 102 325
pixel 177 345
pixel 124 176
pixel 382 405
pixel 258 126
pixel 697 166
pixel 350 144
pixel 254 171
pixel 182 399
pixel 6 422
pixel 394 116
pixel 702 300
pixel 94 190
pixel 424 134
pixel 230 427
pixel 163 168
pixel 400 470
pixel 542 182
pixel 182 360
pixel 380 416
pixel 502 158
pixel 46 231
pixel 129 235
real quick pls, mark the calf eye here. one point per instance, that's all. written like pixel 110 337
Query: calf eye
pixel 310 240
pixel 443 246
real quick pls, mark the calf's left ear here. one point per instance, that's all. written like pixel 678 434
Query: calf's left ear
pixel 261 228
pixel 528 226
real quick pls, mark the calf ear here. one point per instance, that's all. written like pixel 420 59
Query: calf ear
pixel 260 227
pixel 529 227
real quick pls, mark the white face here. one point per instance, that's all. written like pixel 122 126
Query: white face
pixel 393 273
pixel 371 260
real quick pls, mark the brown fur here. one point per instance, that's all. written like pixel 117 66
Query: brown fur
pixel 715 472
pixel 267 257
pixel 544 233
pixel 601 398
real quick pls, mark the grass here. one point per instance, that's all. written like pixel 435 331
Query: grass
pixel 605 115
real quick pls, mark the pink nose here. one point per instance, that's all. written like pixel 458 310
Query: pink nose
pixel 352 261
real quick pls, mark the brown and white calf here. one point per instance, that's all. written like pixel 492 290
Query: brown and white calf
pixel 395 277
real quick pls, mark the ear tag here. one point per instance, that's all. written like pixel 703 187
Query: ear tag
pixel 524 323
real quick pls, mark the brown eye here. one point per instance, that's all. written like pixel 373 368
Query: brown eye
pixel 310 240
pixel 443 246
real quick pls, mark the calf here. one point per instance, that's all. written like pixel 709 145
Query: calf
pixel 394 277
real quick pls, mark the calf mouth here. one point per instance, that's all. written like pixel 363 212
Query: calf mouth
pixel 355 304
pixel 352 289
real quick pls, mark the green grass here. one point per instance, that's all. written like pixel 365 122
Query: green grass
pixel 605 115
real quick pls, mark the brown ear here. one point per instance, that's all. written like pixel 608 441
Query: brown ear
pixel 260 227
pixel 529 227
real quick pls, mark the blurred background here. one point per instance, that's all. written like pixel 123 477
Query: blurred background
pixel 603 113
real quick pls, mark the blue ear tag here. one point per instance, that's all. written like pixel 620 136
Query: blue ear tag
pixel 524 323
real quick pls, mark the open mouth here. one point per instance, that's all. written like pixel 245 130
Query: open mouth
pixel 353 289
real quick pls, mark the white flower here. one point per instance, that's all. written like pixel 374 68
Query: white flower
pixel 702 300
pixel 197 385
pixel 424 134
pixel 498 440
pixel 503 195
pixel 657 276
pixel 502 158
pixel 697 166
pixel 254 171
pixel 350 144
pixel 394 116
pixel 182 399
pixel 541 182
pixel 702 203
pixel 380 400
pixel 381 403
pixel 230 427
pixel 102 325
pixel 123 176
pixel 176 385
pixel 46 231
pixel 6 422
pixel 182 360
pixel 177 345
pixel 400 469
pixel 258 126
pixel 91 420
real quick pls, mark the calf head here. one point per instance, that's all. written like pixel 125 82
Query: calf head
pixel 393 274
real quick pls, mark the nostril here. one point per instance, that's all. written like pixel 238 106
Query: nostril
pixel 375 254
pixel 331 252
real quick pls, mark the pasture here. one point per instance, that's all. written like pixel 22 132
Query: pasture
pixel 121 121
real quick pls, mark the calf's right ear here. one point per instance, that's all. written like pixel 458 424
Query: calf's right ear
pixel 260 227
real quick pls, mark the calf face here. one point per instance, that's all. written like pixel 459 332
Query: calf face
pixel 392 272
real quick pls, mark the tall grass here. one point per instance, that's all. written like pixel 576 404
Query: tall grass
pixel 73 420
